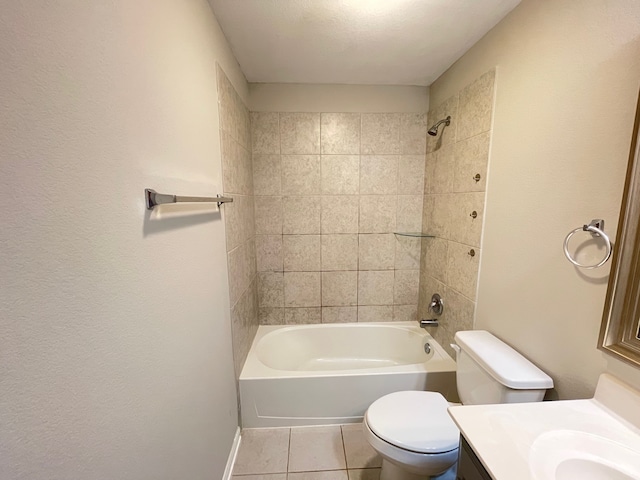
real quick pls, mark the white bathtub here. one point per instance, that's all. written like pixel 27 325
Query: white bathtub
pixel 331 373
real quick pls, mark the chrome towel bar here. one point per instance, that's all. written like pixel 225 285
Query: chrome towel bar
pixel 153 198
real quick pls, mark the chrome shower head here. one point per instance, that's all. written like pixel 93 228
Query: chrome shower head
pixel 433 131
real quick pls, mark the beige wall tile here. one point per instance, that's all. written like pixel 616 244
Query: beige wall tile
pixel 408 250
pixel 476 105
pixel 316 448
pixel 446 134
pixel 442 170
pixel 301 215
pixel 271 315
pixel 240 271
pixel 237 171
pixel 340 174
pixel 380 134
pixel 376 251
pixel 471 158
pixel 377 213
pixel 239 220
pixel 271 289
pixel 339 288
pixel 413 133
pixel 339 252
pixel 460 314
pixel 462 269
pixel 269 256
pixel 375 313
pixel 300 133
pixel 441 215
pixel 263 450
pixel 358 451
pixel 409 216
pixel 302 316
pixel 340 214
pixel 340 133
pixel 429 286
pixel 302 289
pixel 300 174
pixel 244 324
pixel 339 314
pixel 301 253
pixel 265 133
pixel 435 258
pixel 268 215
pixel 267 174
pixel 379 174
pixel 405 313
pixel 463 228
pixel 375 287
pixel 411 175
pixel 428 207
pixel 429 163
pixel 405 289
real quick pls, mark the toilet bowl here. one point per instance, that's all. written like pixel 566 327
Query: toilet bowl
pixel 412 431
pixel 413 434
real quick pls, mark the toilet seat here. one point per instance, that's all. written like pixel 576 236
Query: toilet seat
pixel 414 421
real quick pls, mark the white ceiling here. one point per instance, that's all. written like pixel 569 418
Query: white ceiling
pixel 376 42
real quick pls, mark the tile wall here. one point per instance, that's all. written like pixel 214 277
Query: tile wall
pixel 330 190
pixel 449 263
pixel 237 182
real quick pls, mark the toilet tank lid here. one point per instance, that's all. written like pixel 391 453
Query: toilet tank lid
pixel 501 361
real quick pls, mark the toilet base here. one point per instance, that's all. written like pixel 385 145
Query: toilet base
pixel 391 471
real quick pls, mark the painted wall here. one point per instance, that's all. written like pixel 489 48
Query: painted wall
pixel 116 343
pixel 568 78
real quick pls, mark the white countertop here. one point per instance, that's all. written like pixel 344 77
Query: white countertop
pixel 513 440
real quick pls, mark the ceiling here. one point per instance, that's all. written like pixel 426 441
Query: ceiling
pixel 374 42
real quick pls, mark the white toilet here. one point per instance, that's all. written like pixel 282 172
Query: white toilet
pixel 413 432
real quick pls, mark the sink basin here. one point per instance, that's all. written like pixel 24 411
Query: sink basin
pixel 571 455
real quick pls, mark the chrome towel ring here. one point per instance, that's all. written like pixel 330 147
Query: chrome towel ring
pixel 596 228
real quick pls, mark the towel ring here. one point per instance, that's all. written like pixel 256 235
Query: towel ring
pixel 596 228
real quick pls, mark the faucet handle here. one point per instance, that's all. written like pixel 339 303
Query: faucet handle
pixel 437 304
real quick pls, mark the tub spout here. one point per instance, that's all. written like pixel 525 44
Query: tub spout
pixel 433 322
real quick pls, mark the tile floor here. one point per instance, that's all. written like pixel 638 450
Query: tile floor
pixel 306 453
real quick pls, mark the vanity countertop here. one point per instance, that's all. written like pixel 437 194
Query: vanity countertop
pixel 554 440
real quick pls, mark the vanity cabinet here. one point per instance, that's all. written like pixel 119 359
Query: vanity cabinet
pixel 469 466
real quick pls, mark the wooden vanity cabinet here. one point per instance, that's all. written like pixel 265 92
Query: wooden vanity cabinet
pixel 469 466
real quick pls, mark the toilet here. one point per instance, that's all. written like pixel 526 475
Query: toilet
pixel 412 430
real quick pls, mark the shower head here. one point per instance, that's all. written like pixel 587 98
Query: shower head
pixel 433 131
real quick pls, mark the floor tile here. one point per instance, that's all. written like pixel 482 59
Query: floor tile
pixel 262 451
pixel 268 476
pixel 359 453
pixel 366 474
pixel 326 475
pixel 316 448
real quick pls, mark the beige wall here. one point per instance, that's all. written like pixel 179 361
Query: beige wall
pixel 567 82
pixel 116 342
pixel 450 260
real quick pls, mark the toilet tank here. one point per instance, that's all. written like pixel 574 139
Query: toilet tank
pixel 490 371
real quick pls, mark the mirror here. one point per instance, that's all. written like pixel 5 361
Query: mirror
pixel 620 330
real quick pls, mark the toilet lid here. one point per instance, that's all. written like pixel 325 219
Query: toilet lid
pixel 416 421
